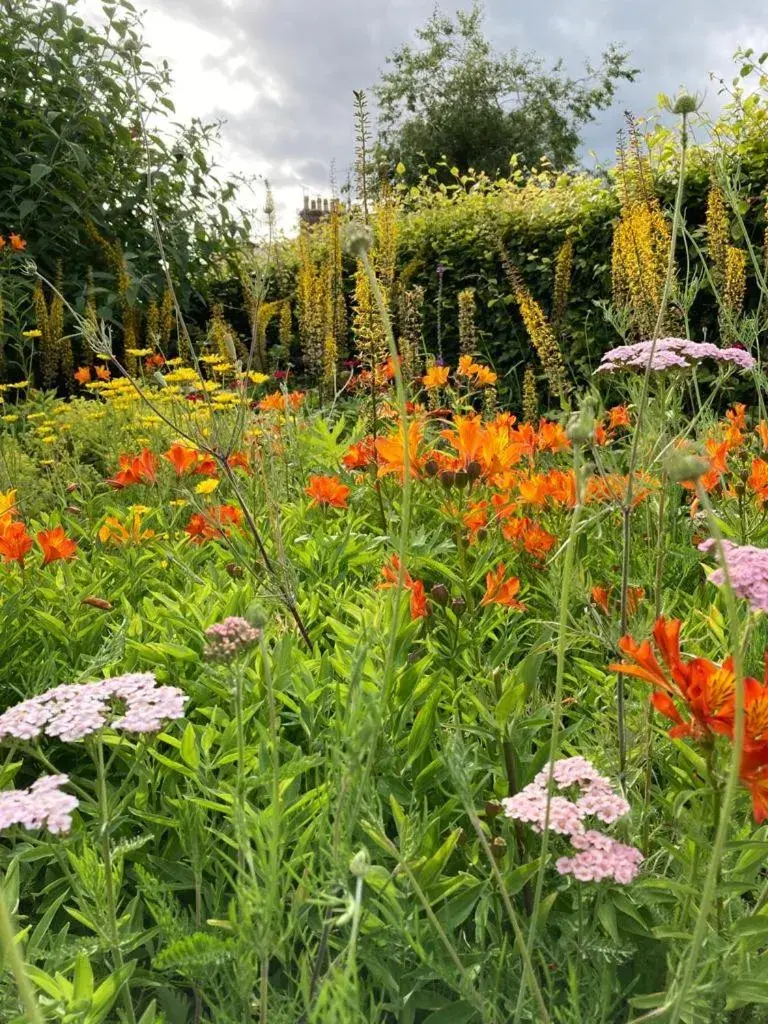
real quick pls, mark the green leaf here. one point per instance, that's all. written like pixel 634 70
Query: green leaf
pixel 45 982
pixel 522 874
pixel 423 727
pixel 107 992
pixel 429 871
pixel 455 1013
pixel 749 926
pixel 82 978
pixel 188 748
pixel 746 992
pixel 37 172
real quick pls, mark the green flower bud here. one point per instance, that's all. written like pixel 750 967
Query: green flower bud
pixel 358 240
pixel 682 467
pixel 685 104
pixel 360 863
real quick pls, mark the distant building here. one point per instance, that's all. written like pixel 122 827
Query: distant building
pixel 315 209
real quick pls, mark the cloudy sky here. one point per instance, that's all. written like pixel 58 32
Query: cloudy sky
pixel 281 72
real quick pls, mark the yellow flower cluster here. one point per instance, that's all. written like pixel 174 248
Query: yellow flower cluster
pixel 641 241
pixel 562 288
pixel 718 232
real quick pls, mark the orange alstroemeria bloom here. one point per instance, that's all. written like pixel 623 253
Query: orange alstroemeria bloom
pixel 327 490
pixel 390 451
pixel 238 460
pixel 17 242
pixel 762 433
pixel 56 545
pixel 213 524
pixel 391 574
pixel 103 373
pixel 436 377
pixel 278 402
pixel 552 437
pixel 501 591
pixel 135 469
pixel 618 416
pixel 82 374
pixel 182 458
pixel 15 542
pixel 600 597
pixel 737 416
pixel 758 479
pixel 360 455
pixel 706 690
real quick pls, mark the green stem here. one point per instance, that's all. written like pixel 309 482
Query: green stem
pixel 557 701
pixel 13 959
pixel 109 881
pixel 642 407
pixel 732 782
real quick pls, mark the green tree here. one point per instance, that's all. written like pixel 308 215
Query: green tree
pixel 454 97
pixel 74 156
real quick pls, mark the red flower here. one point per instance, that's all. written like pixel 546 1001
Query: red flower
pixel 55 545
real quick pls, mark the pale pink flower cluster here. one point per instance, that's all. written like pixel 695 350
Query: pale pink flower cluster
pixel 671 354
pixel 229 638
pixel 131 703
pixel 747 571
pixel 42 804
pixel 600 856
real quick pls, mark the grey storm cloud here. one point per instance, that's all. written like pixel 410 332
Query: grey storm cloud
pixel 315 52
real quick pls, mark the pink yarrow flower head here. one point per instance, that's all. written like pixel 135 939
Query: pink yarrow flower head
pixel 42 805
pixel 599 856
pixel 229 638
pixel 672 354
pixel 747 571
pixel 131 703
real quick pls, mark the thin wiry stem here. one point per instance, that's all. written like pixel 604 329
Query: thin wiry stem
pixel 626 542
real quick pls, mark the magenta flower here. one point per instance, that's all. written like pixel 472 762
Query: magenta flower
pixel 43 804
pixel 672 354
pixel 131 703
pixel 747 571
pixel 229 638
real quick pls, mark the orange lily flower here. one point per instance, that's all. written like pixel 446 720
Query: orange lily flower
pixel 137 469
pixel 327 490
pixel 103 373
pixel 600 597
pixel 436 377
pixel 83 374
pixel 552 437
pixel 17 242
pixel 501 591
pixel 214 523
pixel 55 545
pixel 391 574
pixel 182 458
pixel 390 451
pixel 360 455
pixel 762 430
pixel 15 542
pixel 758 479
pixel 618 416
pixel 706 689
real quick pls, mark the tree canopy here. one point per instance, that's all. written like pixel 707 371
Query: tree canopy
pixel 74 153
pixel 454 96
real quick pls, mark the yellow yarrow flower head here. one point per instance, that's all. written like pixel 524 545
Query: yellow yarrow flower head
pixel 207 486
